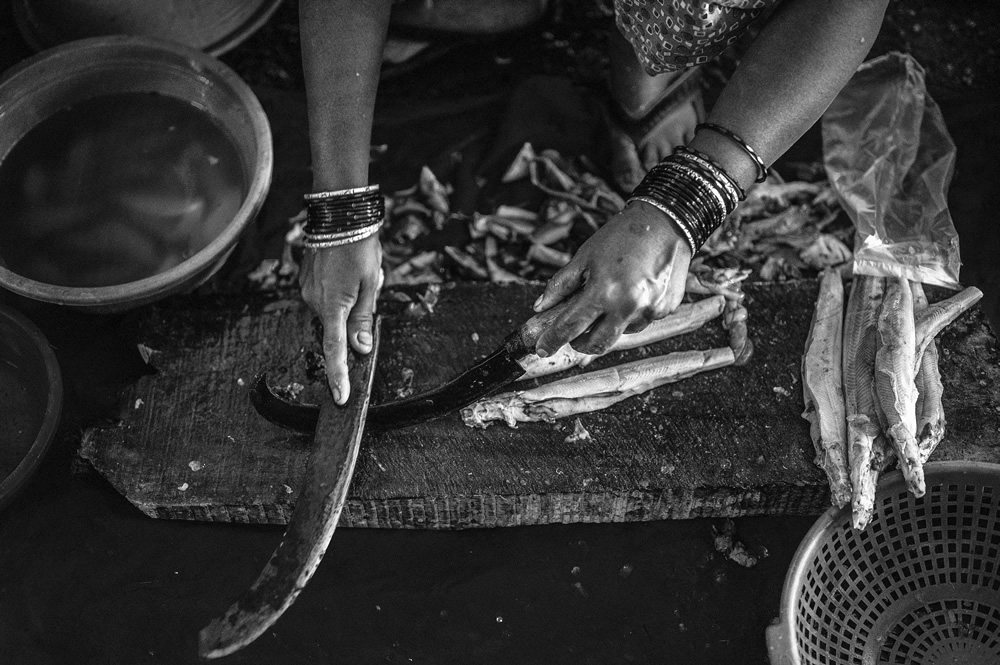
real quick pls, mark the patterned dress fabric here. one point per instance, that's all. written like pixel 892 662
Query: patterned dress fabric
pixel 670 35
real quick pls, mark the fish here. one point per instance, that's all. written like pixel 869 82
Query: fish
pixel 823 387
pixel 593 391
pixel 931 424
pixel 895 374
pixel 861 412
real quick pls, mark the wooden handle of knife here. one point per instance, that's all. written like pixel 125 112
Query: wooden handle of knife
pixel 526 337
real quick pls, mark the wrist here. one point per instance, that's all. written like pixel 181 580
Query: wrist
pixel 668 217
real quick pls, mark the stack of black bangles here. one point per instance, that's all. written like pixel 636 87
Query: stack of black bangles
pixel 343 217
pixel 693 191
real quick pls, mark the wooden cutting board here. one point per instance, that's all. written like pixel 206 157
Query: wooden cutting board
pixel 727 443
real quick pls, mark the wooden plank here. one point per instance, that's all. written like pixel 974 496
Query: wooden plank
pixel 727 443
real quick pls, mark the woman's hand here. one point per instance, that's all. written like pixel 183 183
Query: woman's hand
pixel 629 273
pixel 341 284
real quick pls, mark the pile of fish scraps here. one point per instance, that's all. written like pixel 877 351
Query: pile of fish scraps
pixel 783 230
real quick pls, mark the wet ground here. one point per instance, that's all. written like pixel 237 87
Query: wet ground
pixel 85 578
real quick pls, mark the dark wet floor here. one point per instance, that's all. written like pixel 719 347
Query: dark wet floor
pixel 85 578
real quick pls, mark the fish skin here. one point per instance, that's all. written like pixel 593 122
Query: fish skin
pixel 686 318
pixel 932 319
pixel 734 319
pixel 822 387
pixel 866 445
pixel 919 304
pixel 895 374
pixel 931 423
pixel 593 391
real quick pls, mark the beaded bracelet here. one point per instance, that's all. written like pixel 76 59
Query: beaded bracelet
pixel 732 136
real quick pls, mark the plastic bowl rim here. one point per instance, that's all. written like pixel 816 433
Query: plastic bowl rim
pixel 161 283
pixel 22 473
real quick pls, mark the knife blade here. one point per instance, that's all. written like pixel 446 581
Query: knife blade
pixel 500 368
pixel 317 511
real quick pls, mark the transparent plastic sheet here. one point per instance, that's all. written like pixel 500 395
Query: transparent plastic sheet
pixel 890 159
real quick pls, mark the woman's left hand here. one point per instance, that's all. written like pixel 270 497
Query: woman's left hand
pixel 630 272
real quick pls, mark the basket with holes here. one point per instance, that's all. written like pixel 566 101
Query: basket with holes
pixel 920 586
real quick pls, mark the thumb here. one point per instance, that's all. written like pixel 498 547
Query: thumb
pixel 360 320
pixel 562 284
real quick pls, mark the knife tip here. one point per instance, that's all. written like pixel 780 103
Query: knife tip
pixel 210 644
pixel 218 639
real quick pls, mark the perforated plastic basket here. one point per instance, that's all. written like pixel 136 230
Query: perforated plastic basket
pixel 921 585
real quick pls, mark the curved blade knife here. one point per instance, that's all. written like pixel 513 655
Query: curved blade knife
pixel 498 369
pixel 317 510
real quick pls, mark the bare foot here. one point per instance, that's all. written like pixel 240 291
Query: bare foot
pixel 654 114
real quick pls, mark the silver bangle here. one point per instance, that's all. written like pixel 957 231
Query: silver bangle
pixel 672 216
pixel 311 243
pixel 319 196
pixel 342 235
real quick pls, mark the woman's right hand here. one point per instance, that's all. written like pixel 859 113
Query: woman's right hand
pixel 341 284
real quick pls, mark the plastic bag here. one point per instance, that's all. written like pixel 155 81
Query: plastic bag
pixel 890 159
